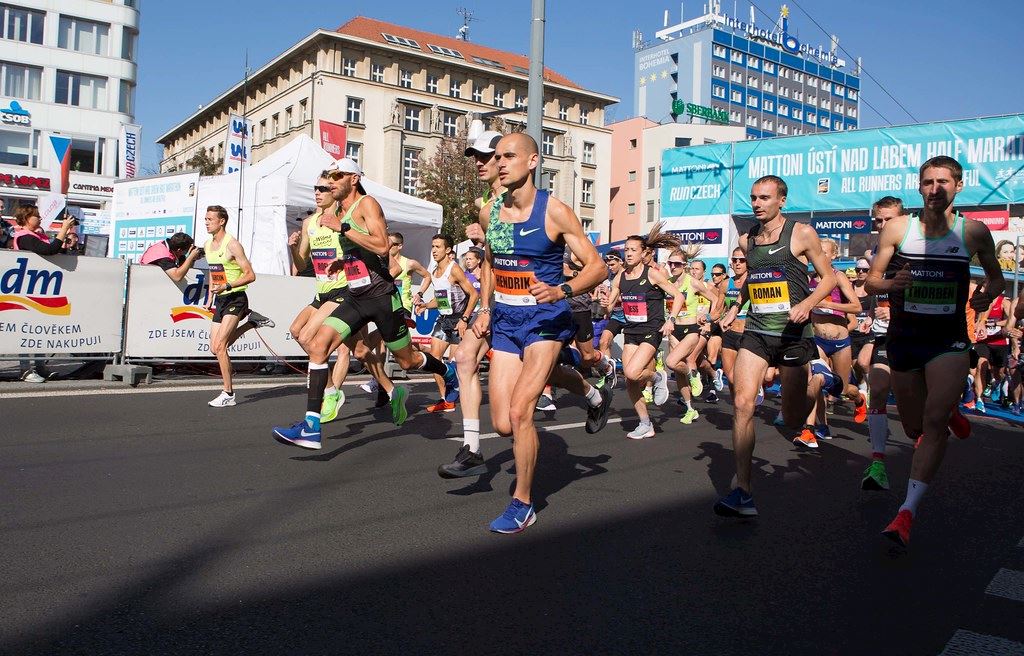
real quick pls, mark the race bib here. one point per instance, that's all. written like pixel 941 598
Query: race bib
pixel 356 273
pixel 634 307
pixel 322 258
pixel 769 291
pixel 930 297
pixel 444 301
pixel 513 277
pixel 990 327
pixel 217 275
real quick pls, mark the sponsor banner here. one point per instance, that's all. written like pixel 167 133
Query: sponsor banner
pixel 15 114
pixel 333 138
pixel 696 181
pixel 701 236
pixel 128 151
pixel 236 151
pixel 51 207
pixel 841 171
pixel 168 320
pixel 62 305
pixel 147 210
pixel 994 219
pixel 830 225
pixel 95 222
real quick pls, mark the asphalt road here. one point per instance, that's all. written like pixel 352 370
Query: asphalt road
pixel 149 523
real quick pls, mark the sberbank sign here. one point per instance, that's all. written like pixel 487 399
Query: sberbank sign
pixel 700 111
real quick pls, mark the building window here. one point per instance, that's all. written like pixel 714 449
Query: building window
pixel 83 36
pixel 826 122
pixel 450 125
pixel 354 110
pixel 840 90
pixel 783 128
pixel 769 106
pixel 431 84
pixel 15 148
pixel 651 178
pixel 21 81
pixel 631 208
pixel 736 76
pixel 353 151
pixel 852 95
pixel 455 88
pixel 783 110
pixel 798 95
pixel 410 170
pixel 303 113
pixel 768 123
pixel 826 86
pixel 288 118
pixel 377 73
pixel 769 86
pixel 769 67
pixel 126 97
pixel 348 67
pixel 22 24
pixel 632 176
pixel 548 145
pixel 718 91
pixel 405 79
pixel 753 62
pixel 650 211
pixel 499 98
pixel 813 82
pixel 412 118
pixel 584 116
pixel 718 71
pixel 736 56
pixel 798 76
pixel 632 144
pixel 752 101
pixel 734 116
pixel 798 114
pixel 478 93
pixel 87 155
pixel 550 177
pixel 263 130
pixel 81 90
pixel 520 101
pixel 587 194
pixel 751 120
pixel 811 117
pixel 683 142
pixel 812 100
pixel 718 51
pixel 839 125
pixel 275 125
pixel 753 82
pixel 563 113
pixel 826 104
pixel 736 96
pixel 852 112
pixel 588 153
pixel 129 40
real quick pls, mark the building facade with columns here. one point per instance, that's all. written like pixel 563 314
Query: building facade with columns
pixel 393 93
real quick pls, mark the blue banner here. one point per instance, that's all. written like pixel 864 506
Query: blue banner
pixel 832 225
pixel 695 181
pixel 699 236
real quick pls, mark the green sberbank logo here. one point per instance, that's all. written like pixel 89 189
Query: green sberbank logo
pixel 700 111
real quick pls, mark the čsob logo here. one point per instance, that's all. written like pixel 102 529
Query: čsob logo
pixel 15 113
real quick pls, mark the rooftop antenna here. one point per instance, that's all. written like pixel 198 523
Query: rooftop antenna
pixel 467 18
pixel 835 44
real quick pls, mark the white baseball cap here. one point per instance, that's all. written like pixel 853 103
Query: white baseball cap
pixel 346 165
pixel 485 143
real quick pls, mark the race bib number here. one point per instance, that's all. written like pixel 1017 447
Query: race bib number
pixel 217 275
pixel 356 273
pixel 634 307
pixel 513 277
pixel 444 301
pixel 769 291
pixel 930 297
pixel 322 258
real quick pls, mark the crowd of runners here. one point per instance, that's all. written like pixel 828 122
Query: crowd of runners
pixel 528 295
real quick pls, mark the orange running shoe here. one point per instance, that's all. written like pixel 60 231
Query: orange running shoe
pixel 442 406
pixel 959 425
pixel 860 413
pixel 970 405
pixel 898 529
pixel 806 438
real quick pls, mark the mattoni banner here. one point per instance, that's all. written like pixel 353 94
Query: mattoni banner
pixel 696 181
pixel 60 305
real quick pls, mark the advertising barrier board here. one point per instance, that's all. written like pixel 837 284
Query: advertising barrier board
pixel 146 210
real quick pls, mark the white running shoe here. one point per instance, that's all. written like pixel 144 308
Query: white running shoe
pixel 642 431
pixel 719 381
pixel 32 377
pixel 370 387
pixel 223 401
pixel 546 403
pixel 660 388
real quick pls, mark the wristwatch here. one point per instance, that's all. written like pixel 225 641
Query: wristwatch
pixel 566 289
pixel 464 318
pixel 344 228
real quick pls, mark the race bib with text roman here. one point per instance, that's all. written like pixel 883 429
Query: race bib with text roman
pixel 769 291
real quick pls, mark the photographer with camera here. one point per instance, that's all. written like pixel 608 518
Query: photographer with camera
pixel 29 235
pixel 175 255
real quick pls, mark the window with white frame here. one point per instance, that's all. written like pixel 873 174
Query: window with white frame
pixel 811 117
pixel 432 84
pixel 584 116
pixel 450 124
pixel 264 135
pixel 718 51
pixel 405 78
pixel 631 208
pixel 275 125
pixel 852 94
pixel 840 90
pixel 15 148
pixel 520 100
pixel 650 211
pixel 354 110
pixel 80 35
pixel 768 106
pixel 783 128
pixel 588 153
pixel 718 91
pixel 718 71
pixel 126 97
pixel 303 111
pixel 353 151
pixel 652 178
pixel 736 96
pixel 783 110
pixel 752 102
pixel 734 116
pixel 548 144
pixel 348 67
pixel 377 72
pixel 751 120
pixel 455 88
pixel 826 86
pixel 769 67
pixel 18 81
pixel 798 95
pixel 798 114
pixel 631 176
pixel 769 86
pixel 87 155
pixel 80 90
pixel 784 92
pixel 812 100
pixel 826 104
pixel 736 56
pixel 478 93
pixel 736 76
pixel 129 43
pixel 784 72
pixel 798 76
pixel 499 97
pixel 812 82
pixel 826 122
pixel 410 170
pixel 753 82
pixel 563 113
pixel 20 24
pixel 412 118
pixel 753 62
pixel 768 124
pixel 288 117
pixel 852 112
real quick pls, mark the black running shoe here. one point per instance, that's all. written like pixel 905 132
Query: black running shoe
pixel 597 417
pixel 711 397
pixel 260 321
pixel 466 463
pixel 382 398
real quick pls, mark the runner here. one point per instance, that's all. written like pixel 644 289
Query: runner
pixel 686 331
pixel 230 274
pixel 735 316
pixel 526 237
pixel 616 319
pixel 643 290
pixel 778 331
pixel 583 322
pixel 370 295
pixel 993 350
pixel 860 326
pixel 720 281
pixel 926 267
pixel 454 298
pixel 709 310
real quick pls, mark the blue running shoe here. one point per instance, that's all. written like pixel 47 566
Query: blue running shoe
pixel 305 433
pixel 451 383
pixel 969 389
pixel 760 396
pixel 516 518
pixel 736 504
pixel 822 432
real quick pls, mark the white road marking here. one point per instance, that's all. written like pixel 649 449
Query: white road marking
pixel 968 643
pixel 1007 583
pixel 543 429
pixel 159 389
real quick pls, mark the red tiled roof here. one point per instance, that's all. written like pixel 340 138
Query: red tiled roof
pixel 371 29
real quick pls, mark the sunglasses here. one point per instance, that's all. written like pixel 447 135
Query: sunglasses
pixel 676 264
pixel 862 269
pixel 718 273
pixel 739 259
pixel 323 189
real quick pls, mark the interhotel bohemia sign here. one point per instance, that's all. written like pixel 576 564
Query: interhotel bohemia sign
pixel 700 111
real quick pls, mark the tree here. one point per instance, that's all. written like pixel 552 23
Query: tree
pixel 203 162
pixel 449 179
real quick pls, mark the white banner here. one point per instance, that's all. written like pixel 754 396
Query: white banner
pixel 168 320
pixel 147 210
pixel 236 150
pixel 128 151
pixel 60 304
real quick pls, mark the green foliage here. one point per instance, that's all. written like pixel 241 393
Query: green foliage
pixel 203 162
pixel 449 179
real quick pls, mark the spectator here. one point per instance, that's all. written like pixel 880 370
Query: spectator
pixel 29 236
pixel 175 255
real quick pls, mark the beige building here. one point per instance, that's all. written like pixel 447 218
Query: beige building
pixel 398 91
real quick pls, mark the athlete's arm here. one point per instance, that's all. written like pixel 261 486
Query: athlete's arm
pixel 418 269
pixel 460 279
pixel 300 251
pixel 376 240
pixel 566 225
pixel 613 293
pixel 658 278
pixel 979 242
pixel 248 275
pixel 892 233
pixel 849 307
pixel 809 246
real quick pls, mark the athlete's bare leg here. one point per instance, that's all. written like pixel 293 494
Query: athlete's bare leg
pixel 750 370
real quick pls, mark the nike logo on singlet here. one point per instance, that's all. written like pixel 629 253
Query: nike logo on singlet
pixel 523 233
pixel 774 251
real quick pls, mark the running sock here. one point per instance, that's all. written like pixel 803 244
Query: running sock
pixel 915 491
pixel 313 420
pixel 432 365
pixel 878 430
pixel 471 434
pixel 315 385
pixel 593 397
pixel 330 390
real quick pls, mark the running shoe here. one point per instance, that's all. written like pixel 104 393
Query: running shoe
pixel 979 407
pixel 822 432
pixel 611 375
pixel 399 413
pixel 689 416
pixel 659 362
pixel 779 419
pixel 451 382
pixel 875 477
pixel 996 393
pixel 382 397
pixel 711 397
pixel 305 434
pixel 760 396
pixel 860 413
pixel 516 518
pixel 466 463
pixel 969 404
pixel 329 408
pixel 660 392
pixel 648 396
pixel 806 438
pixel 719 380
pixel 546 403
pixel 988 392
pixel 1015 409
pixel 959 425
pixel 223 400
pixel 597 417
pixel 642 431
pixel 968 396
pixel 440 406
pixel 696 386
pixel 898 529
pixel 737 503
pixel 32 377
pixel 259 320
pixel 370 386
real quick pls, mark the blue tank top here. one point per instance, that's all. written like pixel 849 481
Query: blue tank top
pixel 521 253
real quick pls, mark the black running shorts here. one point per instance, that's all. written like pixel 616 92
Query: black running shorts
pixel 235 304
pixel 780 351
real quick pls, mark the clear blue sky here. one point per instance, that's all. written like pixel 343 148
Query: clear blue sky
pixel 942 59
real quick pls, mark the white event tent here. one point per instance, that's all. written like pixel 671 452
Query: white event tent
pixel 278 194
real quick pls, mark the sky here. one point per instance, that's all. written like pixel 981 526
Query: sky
pixel 940 59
